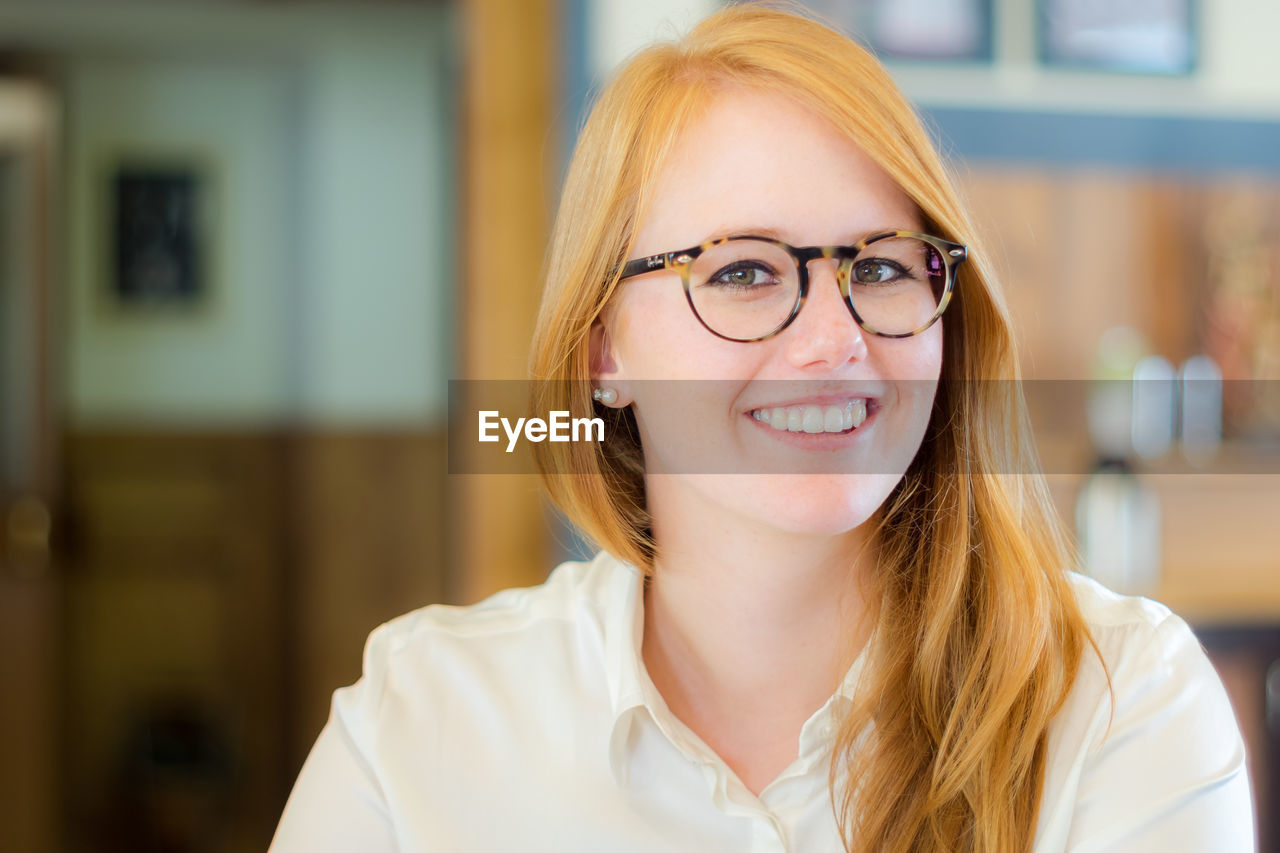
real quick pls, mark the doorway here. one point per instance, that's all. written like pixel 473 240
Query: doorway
pixel 29 588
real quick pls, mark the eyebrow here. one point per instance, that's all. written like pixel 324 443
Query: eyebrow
pixel 774 234
pixel 750 231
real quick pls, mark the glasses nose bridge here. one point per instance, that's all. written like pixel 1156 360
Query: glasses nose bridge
pixel 808 254
pixel 838 255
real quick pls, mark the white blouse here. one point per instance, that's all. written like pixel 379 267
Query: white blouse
pixel 527 722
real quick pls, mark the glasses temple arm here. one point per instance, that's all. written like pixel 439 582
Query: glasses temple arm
pixel 644 265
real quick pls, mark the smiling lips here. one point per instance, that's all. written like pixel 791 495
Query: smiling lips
pixel 814 419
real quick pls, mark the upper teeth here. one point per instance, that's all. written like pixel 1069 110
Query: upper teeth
pixel 814 418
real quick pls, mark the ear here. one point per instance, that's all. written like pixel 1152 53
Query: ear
pixel 606 369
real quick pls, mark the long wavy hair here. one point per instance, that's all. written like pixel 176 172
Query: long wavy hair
pixel 977 638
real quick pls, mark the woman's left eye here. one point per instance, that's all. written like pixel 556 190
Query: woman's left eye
pixel 876 271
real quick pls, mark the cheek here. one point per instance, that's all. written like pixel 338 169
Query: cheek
pixel 926 370
pixel 920 358
pixel 913 368
pixel 650 330
pixel 656 336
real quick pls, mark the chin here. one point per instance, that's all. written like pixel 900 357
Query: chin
pixel 813 504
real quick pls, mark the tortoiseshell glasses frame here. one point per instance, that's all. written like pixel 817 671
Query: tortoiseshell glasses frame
pixel 951 254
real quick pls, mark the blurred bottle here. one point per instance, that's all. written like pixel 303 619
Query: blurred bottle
pixel 1111 400
pixel 1118 522
pixel 1200 421
pixel 1131 413
pixel 1155 396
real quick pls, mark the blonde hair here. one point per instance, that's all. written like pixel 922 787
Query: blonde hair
pixel 977 636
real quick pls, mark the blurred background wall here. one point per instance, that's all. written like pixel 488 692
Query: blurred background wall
pixel 233 471
pixel 245 247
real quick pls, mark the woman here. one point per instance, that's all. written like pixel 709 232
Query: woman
pixel 830 612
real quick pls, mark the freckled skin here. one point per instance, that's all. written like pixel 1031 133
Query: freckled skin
pixel 756 161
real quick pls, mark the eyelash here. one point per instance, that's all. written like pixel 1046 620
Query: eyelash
pixel 896 267
pixel 716 279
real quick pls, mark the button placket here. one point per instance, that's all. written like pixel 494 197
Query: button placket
pixel 767 834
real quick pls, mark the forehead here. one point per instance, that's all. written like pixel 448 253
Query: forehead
pixel 757 160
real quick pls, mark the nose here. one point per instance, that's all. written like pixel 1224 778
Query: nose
pixel 824 335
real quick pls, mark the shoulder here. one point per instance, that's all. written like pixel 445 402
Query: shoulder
pixel 569 588
pixel 462 707
pixel 1145 655
pixel 1127 628
pixel 1146 751
pixel 498 643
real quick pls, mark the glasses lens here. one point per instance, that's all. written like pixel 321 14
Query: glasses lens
pixel 744 289
pixel 896 284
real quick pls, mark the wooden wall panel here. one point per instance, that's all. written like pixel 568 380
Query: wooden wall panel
pixel 510 157
pixel 1014 211
pixel 1072 252
pixel 1082 251
pixel 174 674
pixel 1170 285
pixel 372 522
pixel 227 582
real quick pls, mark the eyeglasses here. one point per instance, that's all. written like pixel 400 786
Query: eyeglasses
pixel 746 288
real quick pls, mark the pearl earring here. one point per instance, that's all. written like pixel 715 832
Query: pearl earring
pixel 608 396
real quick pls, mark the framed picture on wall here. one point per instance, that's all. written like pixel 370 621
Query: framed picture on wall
pixel 157 237
pixel 1144 37
pixel 918 30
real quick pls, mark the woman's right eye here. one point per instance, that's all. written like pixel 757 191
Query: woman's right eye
pixel 743 274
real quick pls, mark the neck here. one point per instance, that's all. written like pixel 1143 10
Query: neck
pixel 743 617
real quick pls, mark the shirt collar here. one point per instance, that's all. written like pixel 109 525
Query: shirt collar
pixel 631 692
pixel 622 619
pixel 623 628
